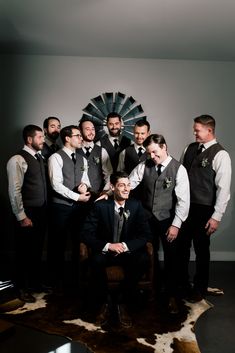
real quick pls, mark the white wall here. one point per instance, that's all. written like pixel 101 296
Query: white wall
pixel 171 93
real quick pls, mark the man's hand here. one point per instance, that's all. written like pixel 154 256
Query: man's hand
pixel 172 233
pixel 118 248
pixel 84 197
pixel 103 196
pixel 82 188
pixel 211 226
pixel 26 222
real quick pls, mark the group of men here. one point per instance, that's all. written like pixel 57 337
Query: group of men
pixel 143 194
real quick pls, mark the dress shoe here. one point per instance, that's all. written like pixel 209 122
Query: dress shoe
pixel 173 306
pixel 124 317
pixel 26 296
pixel 103 317
pixel 195 296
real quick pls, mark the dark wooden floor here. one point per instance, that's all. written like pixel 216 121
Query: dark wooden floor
pixel 214 330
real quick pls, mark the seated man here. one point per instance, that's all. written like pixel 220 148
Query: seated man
pixel 116 232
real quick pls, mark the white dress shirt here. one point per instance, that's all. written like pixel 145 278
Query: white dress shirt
pixel 55 165
pixel 16 169
pixel 182 191
pixel 221 164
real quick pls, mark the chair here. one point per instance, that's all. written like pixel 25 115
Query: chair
pixel 115 274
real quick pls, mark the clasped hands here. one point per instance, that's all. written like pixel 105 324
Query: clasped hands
pixel 117 248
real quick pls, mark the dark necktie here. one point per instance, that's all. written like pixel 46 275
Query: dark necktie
pixel 87 151
pixel 159 172
pixel 38 156
pixel 54 147
pixel 116 144
pixel 200 149
pixel 140 151
pixel 73 157
pixel 121 210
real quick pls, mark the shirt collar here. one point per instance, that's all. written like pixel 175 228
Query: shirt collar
pixel 208 144
pixel 117 206
pixel 30 151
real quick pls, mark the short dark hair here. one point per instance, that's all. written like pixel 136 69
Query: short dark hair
pixel 30 131
pixel 114 115
pixel 67 131
pixel 206 120
pixel 46 121
pixel 83 120
pixel 116 176
pixel 143 122
pixel 155 138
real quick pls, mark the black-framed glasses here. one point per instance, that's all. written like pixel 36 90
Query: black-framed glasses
pixel 77 135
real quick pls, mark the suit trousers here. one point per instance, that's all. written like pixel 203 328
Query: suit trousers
pixel 29 242
pixel 64 235
pixel 193 230
pixel 170 277
pixel 134 265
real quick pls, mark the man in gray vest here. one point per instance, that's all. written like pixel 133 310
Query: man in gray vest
pixel 51 127
pixel 132 155
pixel 114 142
pixel 69 193
pixel 28 197
pixel 209 170
pixel 166 201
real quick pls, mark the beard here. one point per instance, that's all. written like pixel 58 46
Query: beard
pixel 114 132
pixel 54 135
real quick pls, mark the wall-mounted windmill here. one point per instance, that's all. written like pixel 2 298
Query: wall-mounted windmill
pixel 106 103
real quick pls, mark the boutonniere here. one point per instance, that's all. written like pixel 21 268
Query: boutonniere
pixel 96 160
pixel 84 168
pixel 205 162
pixel 167 182
pixel 126 214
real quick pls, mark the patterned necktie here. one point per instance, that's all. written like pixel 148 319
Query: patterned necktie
pixel 200 149
pixel 159 172
pixel 87 151
pixel 116 144
pixel 140 152
pixel 73 157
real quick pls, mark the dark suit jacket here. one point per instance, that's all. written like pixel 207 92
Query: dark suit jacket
pixel 98 228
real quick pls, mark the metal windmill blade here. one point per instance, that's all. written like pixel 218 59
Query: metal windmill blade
pixel 119 103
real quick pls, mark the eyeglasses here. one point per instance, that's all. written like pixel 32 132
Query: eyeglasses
pixel 77 135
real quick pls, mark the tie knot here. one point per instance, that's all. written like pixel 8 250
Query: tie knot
pixel 37 156
pixel 116 144
pixel 87 151
pixel 73 157
pixel 121 210
pixel 159 169
pixel 200 149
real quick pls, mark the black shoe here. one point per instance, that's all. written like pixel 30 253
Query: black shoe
pixel 103 317
pixel 26 296
pixel 195 296
pixel 124 317
pixel 173 306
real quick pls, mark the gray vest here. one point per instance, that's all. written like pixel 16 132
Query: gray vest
pixel 159 191
pixel 114 154
pixel 132 159
pixel 201 175
pixel 34 189
pixel 95 173
pixel 72 174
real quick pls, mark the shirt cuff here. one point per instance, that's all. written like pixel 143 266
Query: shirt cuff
pixel 106 248
pixel 177 222
pixel 125 247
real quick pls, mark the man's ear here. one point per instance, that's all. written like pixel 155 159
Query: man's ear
pixel 112 187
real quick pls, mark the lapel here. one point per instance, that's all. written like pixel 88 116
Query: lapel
pixel 110 215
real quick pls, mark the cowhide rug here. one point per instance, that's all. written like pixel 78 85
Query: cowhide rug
pixel 153 331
